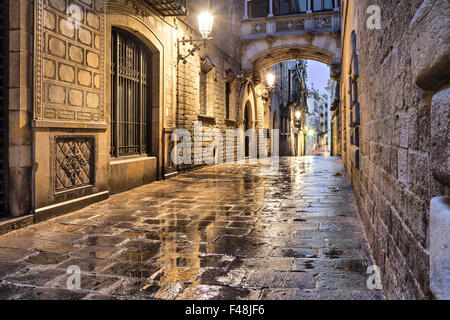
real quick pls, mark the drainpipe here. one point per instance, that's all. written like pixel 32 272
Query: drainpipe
pixel 245 10
pixel 270 8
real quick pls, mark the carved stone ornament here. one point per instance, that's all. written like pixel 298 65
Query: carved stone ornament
pixel 73 163
pixel 206 64
pixel 229 76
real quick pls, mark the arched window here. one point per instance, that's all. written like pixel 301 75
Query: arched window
pixel 131 96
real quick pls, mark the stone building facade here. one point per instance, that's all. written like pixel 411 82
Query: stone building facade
pixel 317 119
pixel 335 126
pixel 96 89
pixel 394 116
pixel 332 129
pixel 288 105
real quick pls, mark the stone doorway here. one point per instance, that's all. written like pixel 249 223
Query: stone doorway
pixel 247 126
pixel 4 79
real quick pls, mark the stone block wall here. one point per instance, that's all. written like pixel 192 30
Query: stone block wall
pixel 401 67
pixel 221 60
pixel 21 18
pixel 70 66
pixel 69 126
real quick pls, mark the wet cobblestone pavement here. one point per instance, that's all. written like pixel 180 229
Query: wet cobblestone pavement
pixel 224 232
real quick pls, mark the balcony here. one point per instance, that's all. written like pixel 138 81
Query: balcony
pixel 289 17
pixel 270 8
pixel 169 7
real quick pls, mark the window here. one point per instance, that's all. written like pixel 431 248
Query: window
pixel 323 5
pixel 227 100
pixel 258 8
pixel 131 100
pixel 286 7
pixel 203 92
pixel 206 86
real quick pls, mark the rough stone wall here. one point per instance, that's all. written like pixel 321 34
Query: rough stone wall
pixel 395 184
pixel 70 150
pixel 220 59
pixel 69 56
pixel 72 89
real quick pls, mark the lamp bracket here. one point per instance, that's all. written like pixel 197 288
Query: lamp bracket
pixel 197 46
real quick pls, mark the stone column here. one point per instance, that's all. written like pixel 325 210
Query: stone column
pixel 245 10
pixel 309 10
pixel 270 8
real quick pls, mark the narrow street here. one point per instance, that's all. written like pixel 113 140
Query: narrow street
pixel 223 232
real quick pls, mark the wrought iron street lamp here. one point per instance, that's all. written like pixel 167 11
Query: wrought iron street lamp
pixel 205 25
pixel 270 88
pixel 270 79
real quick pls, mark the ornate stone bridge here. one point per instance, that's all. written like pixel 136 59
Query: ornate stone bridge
pixel 278 30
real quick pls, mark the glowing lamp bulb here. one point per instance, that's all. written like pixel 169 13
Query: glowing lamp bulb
pixel 270 79
pixel 205 24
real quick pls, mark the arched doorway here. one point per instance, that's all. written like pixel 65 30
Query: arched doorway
pixel 247 126
pixel 138 137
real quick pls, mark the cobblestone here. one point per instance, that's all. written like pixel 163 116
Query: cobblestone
pixel 223 232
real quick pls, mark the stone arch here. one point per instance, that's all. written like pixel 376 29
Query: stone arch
pixel 262 53
pixel 139 29
pixel 248 98
pixel 272 56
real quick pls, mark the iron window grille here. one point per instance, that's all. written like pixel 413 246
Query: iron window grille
pixel 131 89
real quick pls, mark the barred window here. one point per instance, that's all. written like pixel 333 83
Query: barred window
pixel 131 96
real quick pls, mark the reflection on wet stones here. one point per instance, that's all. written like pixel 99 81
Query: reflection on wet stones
pixel 46 258
pixel 206 292
pixel 182 275
pixel 102 241
pixel 294 253
pixel 135 255
pixel 130 269
pixel 224 232
pixel 87 265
